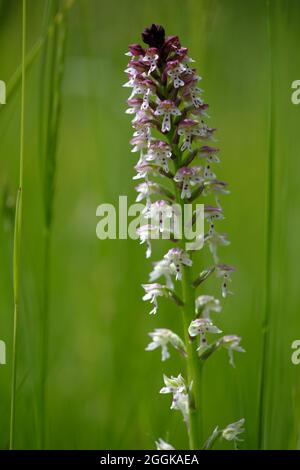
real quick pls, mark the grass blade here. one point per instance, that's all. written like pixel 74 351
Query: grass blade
pixel 269 239
pixel 53 67
pixel 17 240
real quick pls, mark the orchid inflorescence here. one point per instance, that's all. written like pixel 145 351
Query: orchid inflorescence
pixel 174 146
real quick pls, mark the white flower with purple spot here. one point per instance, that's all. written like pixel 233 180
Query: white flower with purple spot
pixel 152 292
pixel 161 213
pixel 232 343
pixel 177 258
pixel 141 86
pixel 212 213
pixel 200 327
pixel 215 187
pixel 161 338
pixel 163 445
pixel 142 128
pixel 147 233
pixel 151 58
pixel 192 91
pixel 162 268
pixel 172 384
pixel 135 69
pixel 188 176
pixel 135 50
pixel 207 133
pixel 188 128
pixel 145 190
pixel 214 240
pixel 210 153
pixel 205 304
pixel 174 69
pixel 225 271
pixel 144 170
pixel 134 105
pixel 208 174
pixel 233 430
pixel 167 109
pixel 159 152
pixel 186 61
pixel 176 386
pixel 139 142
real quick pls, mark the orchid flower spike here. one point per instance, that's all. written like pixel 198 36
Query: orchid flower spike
pixel 176 163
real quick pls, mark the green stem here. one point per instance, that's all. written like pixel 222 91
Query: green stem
pixel 17 241
pixel 194 365
pixel 269 244
pixel 44 339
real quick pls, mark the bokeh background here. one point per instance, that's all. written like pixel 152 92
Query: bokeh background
pixel 102 388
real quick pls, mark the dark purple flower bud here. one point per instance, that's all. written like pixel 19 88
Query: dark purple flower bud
pixel 136 67
pixel 201 109
pixel 206 150
pixel 172 43
pixel 154 36
pixel 136 50
pixel 135 102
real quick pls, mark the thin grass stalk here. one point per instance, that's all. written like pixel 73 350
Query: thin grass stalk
pixel 17 241
pixel 265 328
pixel 15 79
pixel 53 112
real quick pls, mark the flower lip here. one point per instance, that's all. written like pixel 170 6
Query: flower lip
pixel 201 326
pixel 182 52
pixel 154 36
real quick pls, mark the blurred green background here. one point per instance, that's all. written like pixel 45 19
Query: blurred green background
pixel 102 388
